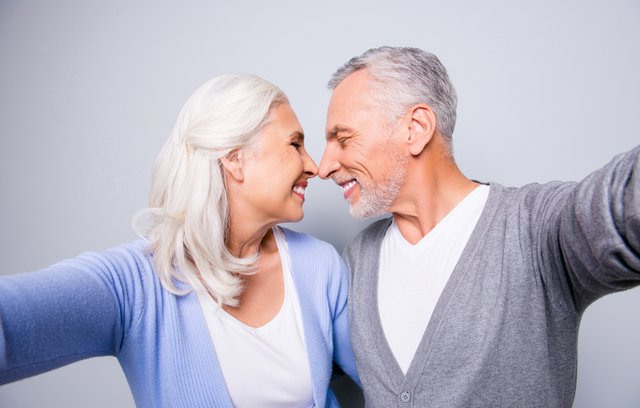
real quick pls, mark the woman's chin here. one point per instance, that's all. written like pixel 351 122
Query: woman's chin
pixel 295 217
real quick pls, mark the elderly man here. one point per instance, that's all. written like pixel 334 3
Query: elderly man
pixel 470 294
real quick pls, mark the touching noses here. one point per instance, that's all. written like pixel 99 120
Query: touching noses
pixel 328 164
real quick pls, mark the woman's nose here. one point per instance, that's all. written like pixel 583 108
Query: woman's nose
pixel 310 167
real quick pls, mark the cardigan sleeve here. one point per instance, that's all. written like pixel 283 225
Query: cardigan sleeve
pixel 75 309
pixel 592 237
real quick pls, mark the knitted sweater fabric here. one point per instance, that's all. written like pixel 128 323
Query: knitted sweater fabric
pixel 504 330
pixel 113 303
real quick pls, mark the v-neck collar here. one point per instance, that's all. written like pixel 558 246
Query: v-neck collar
pixel 312 333
pixel 421 357
pixel 451 218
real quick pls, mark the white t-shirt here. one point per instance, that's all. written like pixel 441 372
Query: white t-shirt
pixel 266 366
pixel 412 277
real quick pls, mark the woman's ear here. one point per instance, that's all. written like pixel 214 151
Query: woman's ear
pixel 422 127
pixel 233 164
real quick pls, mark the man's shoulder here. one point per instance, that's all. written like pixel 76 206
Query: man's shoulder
pixel 369 237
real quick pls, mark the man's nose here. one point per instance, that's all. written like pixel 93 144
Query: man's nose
pixel 329 163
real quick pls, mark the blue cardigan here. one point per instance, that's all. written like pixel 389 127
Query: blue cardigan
pixel 113 303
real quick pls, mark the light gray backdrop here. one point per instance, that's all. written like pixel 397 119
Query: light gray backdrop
pixel 90 90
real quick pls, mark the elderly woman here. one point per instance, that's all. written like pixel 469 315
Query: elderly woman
pixel 217 306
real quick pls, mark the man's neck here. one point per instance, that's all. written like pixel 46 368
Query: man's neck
pixel 431 190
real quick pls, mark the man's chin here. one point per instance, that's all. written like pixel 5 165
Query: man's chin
pixel 360 213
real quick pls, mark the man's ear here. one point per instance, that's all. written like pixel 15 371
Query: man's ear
pixel 233 164
pixel 422 127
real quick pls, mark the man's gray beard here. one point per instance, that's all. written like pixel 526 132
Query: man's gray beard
pixel 377 200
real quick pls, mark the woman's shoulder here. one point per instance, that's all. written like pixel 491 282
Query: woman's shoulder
pixel 319 271
pixel 304 242
pixel 313 259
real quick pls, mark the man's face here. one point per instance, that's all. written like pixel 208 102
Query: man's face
pixel 362 155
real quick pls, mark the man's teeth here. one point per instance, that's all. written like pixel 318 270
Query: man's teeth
pixel 349 185
pixel 299 189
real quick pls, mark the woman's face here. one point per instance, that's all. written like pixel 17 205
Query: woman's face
pixel 276 170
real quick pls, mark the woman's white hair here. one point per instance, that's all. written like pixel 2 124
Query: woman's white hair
pixel 187 219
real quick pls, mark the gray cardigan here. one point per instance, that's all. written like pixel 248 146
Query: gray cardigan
pixel 504 331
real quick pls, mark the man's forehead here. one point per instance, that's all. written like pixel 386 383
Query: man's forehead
pixel 351 88
pixel 336 129
pixel 350 94
pixel 350 104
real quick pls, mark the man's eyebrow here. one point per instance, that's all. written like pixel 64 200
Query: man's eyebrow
pixel 333 132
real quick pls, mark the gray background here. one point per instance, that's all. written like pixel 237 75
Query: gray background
pixel 89 92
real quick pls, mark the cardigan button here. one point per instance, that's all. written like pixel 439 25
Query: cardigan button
pixel 405 396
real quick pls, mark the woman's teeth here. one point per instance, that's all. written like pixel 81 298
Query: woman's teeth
pixel 299 189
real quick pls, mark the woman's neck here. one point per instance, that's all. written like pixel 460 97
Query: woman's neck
pixel 245 240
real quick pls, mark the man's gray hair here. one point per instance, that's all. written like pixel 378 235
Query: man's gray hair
pixel 403 77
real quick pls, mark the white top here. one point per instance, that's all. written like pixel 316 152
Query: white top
pixel 266 366
pixel 412 277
